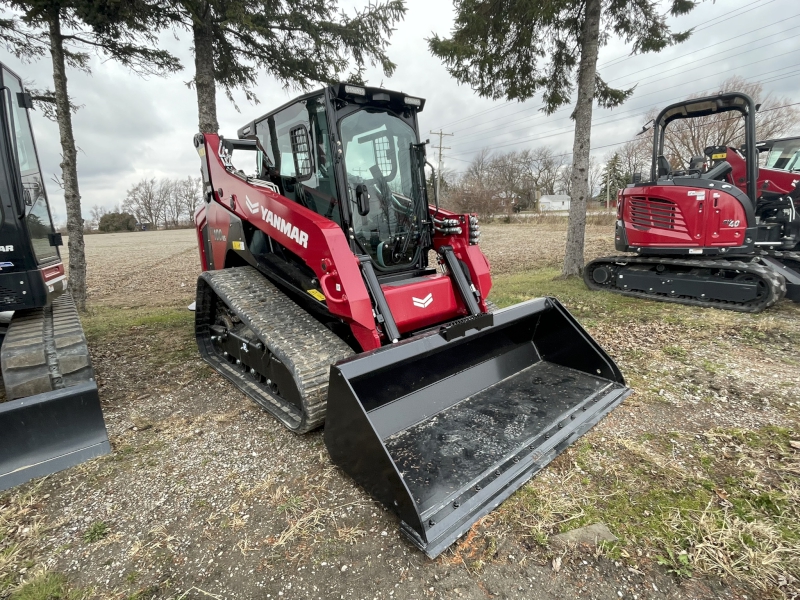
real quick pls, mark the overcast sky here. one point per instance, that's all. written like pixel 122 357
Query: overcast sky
pixel 130 128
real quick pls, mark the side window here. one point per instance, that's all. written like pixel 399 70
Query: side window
pixel 264 136
pixel 297 136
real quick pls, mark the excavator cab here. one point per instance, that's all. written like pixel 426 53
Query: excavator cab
pixel 50 416
pixel 334 292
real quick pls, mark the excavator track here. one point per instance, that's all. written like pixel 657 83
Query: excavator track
pixel 771 286
pixel 44 349
pixel 263 342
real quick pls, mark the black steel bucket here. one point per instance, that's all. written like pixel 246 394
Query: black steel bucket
pixel 48 432
pixel 443 427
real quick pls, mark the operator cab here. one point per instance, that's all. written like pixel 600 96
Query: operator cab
pixel 31 271
pixel 783 154
pixel 352 154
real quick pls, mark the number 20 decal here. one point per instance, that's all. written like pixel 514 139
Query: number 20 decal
pixel 731 222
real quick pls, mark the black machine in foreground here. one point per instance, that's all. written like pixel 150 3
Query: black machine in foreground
pixel 50 416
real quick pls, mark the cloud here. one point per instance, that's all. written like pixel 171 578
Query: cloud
pixel 130 128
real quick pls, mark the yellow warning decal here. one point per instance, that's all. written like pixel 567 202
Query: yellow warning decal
pixel 317 294
pixel 201 151
pixel 238 245
pixel 721 156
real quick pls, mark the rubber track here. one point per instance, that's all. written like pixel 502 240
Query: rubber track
pixel 44 349
pixel 777 285
pixel 303 344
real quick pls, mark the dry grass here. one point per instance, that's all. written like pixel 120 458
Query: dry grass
pixel 725 545
pixel 670 481
pixel 21 528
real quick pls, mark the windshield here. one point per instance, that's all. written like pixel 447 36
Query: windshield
pixel 784 155
pixel 380 156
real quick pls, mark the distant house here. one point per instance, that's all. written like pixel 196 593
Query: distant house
pixel 554 202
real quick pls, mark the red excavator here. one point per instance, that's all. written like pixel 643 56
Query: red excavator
pixel 333 293
pixel 717 234
pixel 50 416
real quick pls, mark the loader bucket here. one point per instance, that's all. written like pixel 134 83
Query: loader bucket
pixel 443 427
pixel 48 432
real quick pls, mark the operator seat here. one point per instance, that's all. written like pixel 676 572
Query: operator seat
pixel 664 168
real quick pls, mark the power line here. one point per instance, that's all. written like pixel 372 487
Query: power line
pixel 620 59
pixel 566 130
pixel 561 132
pixel 710 23
pixel 504 125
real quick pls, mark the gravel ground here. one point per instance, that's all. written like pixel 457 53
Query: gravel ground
pixel 205 495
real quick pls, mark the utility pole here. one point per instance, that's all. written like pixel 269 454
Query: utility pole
pixel 608 179
pixel 441 148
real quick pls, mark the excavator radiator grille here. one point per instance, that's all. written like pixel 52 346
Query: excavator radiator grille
pixel 656 212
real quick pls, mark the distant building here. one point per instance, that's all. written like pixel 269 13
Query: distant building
pixel 554 202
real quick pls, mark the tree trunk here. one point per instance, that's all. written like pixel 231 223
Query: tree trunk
pixel 576 228
pixel 204 77
pixel 69 166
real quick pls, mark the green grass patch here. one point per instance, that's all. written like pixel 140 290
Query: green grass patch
pixel 102 322
pixel 46 586
pixel 96 532
pixel 592 306
pixel 674 352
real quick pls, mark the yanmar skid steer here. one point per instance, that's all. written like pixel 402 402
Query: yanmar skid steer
pixel 50 416
pixel 720 234
pixel 318 301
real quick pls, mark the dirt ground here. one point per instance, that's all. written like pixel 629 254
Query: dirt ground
pixel 206 496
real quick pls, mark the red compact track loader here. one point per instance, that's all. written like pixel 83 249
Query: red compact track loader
pixel 721 234
pixel 50 416
pixel 317 299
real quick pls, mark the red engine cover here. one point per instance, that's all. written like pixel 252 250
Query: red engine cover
pixel 673 216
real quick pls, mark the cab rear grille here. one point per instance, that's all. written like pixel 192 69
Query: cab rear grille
pixel 656 213
pixel 8 297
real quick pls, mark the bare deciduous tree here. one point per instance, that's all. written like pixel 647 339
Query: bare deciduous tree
pixel 189 191
pixel 96 213
pixel 165 202
pixel 142 202
pixel 689 137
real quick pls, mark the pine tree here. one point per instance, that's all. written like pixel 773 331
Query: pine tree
pixel 531 47
pixel 69 30
pixel 298 42
pixel 614 178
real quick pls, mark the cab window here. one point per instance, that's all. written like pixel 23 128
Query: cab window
pixel 34 197
pixel 297 143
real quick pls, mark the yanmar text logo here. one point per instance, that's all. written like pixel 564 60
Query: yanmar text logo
pixel 6 248
pixel 423 302
pixel 285 227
